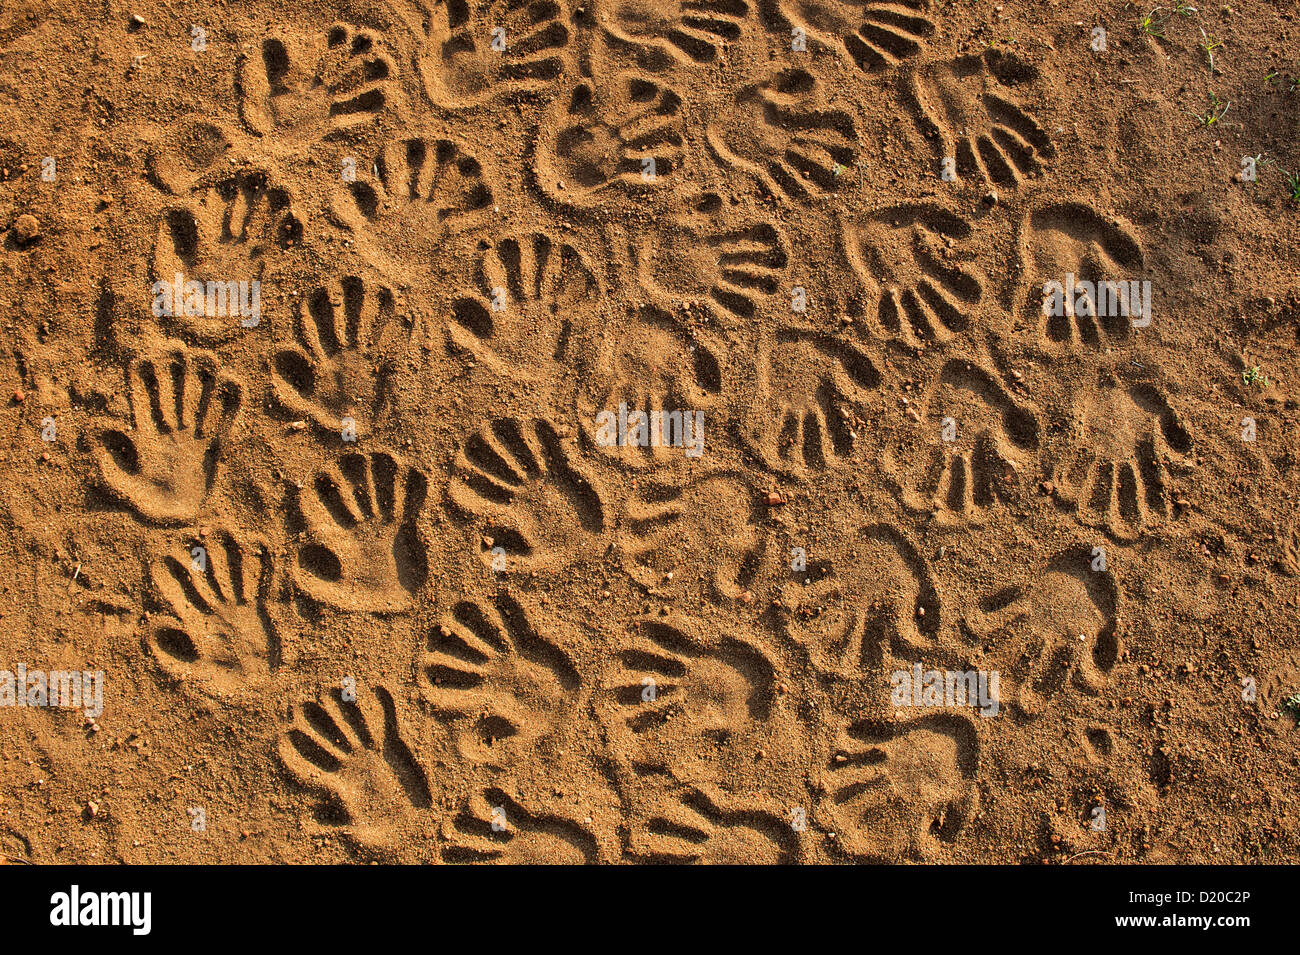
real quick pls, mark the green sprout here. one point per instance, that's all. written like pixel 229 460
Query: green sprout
pixel 1217 109
pixel 1209 46
pixel 1293 185
pixel 1292 83
pixel 1185 9
pixel 1253 376
pixel 1153 24
pixel 1292 706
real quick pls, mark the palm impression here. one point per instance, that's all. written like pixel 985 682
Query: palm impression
pixel 474 51
pixel 1069 252
pixel 718 513
pixel 601 143
pixel 1052 634
pixel 854 600
pixel 917 264
pixel 419 188
pixel 678 696
pixel 901 790
pixel 678 825
pixel 220 634
pixel 876 36
pixel 182 411
pixel 505 691
pixel 493 828
pixel 212 250
pixel 963 108
pixel 978 443
pixel 306 88
pixel 813 390
pixel 360 550
pixel 337 369
pixel 780 134
pixel 1117 466
pixel 349 744
pixel 662 370
pixel 534 295
pixel 684 31
pixel 695 255
pixel 524 490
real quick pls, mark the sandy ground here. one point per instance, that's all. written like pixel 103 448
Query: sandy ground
pixel 320 322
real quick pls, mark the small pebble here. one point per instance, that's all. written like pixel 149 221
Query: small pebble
pixel 26 228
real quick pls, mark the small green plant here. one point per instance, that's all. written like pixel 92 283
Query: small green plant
pixel 1215 113
pixel 1293 185
pixel 1275 78
pixel 1253 376
pixel 1153 24
pixel 1292 706
pixel 1209 45
pixel 1184 9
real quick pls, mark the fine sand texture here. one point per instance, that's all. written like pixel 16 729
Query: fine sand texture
pixel 339 341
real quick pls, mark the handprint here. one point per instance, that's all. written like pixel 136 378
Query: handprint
pixel 314 88
pixel 520 485
pixel 684 29
pixel 856 598
pixel 980 441
pixel 900 791
pixel 335 372
pixel 781 136
pixel 703 826
pixel 694 255
pixel 1070 250
pixel 812 389
pixel 350 746
pixel 362 551
pixel 1056 631
pixel 503 688
pixel 476 50
pixel 221 238
pixel 623 136
pixel 182 410
pixel 914 262
pixel 1116 472
pixel 662 368
pixel 493 828
pixel 222 634
pixel 977 131
pixel 420 186
pixel 876 36
pixel 532 292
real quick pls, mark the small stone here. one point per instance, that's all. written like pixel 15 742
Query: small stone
pixel 26 228
pixel 775 499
